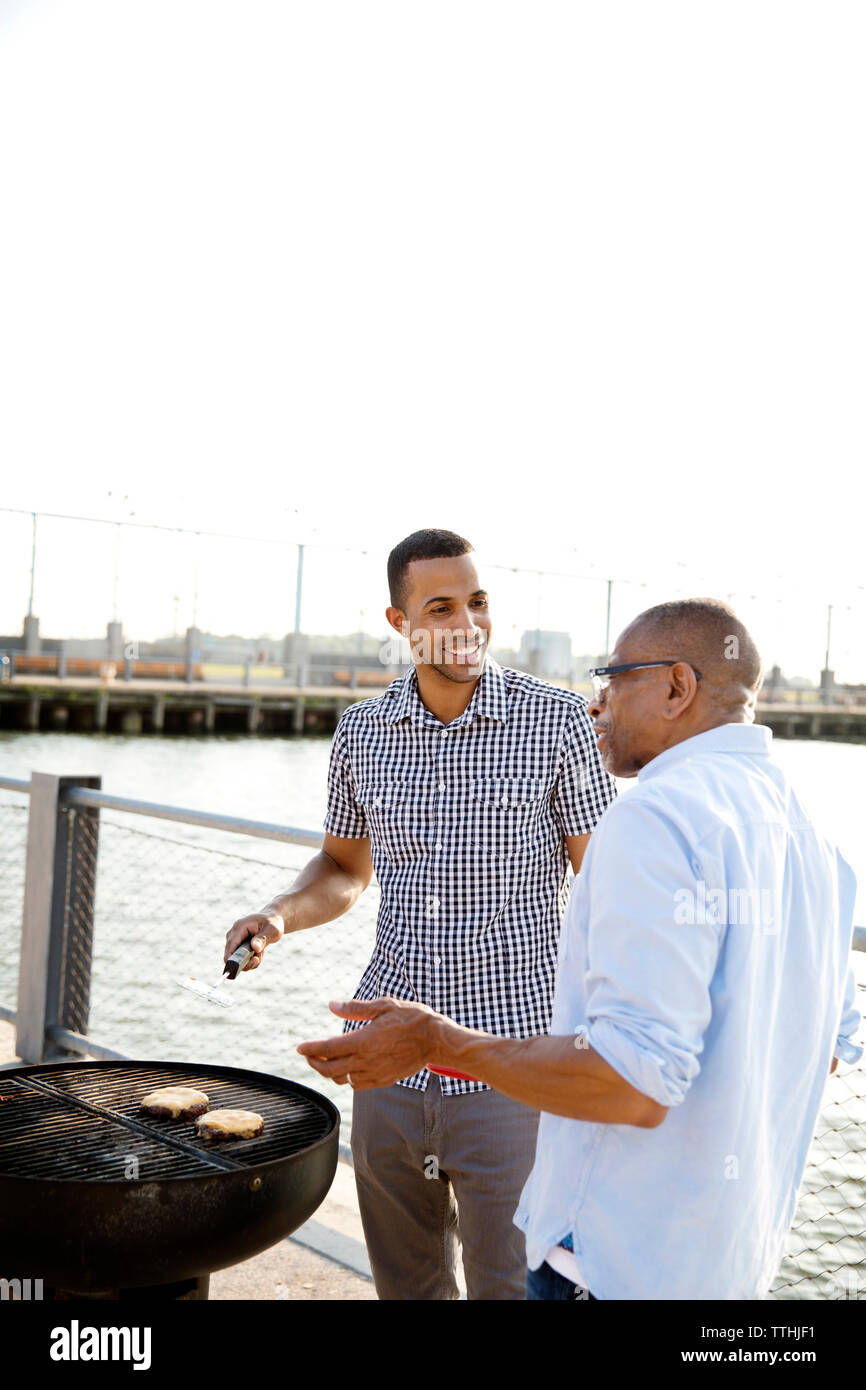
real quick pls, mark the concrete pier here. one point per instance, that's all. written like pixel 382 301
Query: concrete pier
pixel 144 705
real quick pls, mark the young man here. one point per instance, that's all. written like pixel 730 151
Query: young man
pixel 704 989
pixel 468 788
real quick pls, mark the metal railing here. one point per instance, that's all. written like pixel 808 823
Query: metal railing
pixel 113 909
pixel 102 912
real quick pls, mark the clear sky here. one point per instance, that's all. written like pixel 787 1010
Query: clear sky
pixel 582 282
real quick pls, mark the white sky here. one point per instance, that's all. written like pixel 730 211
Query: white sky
pixel 583 282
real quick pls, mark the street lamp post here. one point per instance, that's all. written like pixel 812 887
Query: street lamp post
pixel 32 568
pixel 607 621
pixel 31 624
pixel 827 676
pixel 299 588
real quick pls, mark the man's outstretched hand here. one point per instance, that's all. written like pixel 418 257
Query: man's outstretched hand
pixel 397 1042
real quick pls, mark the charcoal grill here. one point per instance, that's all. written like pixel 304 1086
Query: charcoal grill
pixel 96 1196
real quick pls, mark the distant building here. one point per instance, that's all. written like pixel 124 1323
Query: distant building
pixel 545 653
pixel 775 682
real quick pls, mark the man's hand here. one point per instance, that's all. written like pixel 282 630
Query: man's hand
pixel 263 927
pixel 545 1073
pixel 395 1044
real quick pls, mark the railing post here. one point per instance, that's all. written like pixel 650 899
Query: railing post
pixel 57 925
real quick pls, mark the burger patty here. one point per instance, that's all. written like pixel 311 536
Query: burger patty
pixel 175 1103
pixel 230 1124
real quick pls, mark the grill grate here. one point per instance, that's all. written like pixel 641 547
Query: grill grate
pixel 81 1122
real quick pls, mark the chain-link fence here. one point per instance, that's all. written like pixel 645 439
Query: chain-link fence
pixel 164 902
pixel 13 854
pixel 826 1247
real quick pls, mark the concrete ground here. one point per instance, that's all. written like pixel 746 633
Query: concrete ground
pixel 325 1259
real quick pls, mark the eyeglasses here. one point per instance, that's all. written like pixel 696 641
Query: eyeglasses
pixel 601 675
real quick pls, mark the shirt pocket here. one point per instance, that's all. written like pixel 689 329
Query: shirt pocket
pixel 503 814
pixel 387 807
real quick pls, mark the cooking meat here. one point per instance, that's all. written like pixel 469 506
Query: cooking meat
pixel 175 1103
pixel 230 1124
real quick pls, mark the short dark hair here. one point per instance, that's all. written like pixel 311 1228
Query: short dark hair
pixel 706 633
pixel 430 544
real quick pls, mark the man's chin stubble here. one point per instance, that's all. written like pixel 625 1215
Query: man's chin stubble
pixel 459 675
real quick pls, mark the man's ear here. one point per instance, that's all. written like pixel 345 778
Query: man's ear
pixel 397 620
pixel 682 688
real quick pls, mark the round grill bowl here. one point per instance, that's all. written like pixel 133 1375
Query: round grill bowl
pixel 93 1195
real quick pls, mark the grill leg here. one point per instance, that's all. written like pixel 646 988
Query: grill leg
pixel 199 1289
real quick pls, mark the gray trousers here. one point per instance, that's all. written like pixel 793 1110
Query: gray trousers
pixel 432 1169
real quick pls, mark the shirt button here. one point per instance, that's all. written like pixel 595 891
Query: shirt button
pixel 437 960
pixel 441 786
pixel 444 733
pixel 377 801
pixel 438 848
pixel 434 902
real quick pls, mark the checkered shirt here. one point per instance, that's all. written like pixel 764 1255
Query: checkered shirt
pixel 466 825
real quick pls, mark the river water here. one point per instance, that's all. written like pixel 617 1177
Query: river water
pixel 167 894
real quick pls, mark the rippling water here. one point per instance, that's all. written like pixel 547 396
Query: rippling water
pixel 167 894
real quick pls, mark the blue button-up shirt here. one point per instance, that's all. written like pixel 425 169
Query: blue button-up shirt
pixel 706 956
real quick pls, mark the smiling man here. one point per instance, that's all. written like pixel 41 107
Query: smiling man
pixel 469 788
pixel 704 988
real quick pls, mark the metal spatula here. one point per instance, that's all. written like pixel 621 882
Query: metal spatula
pixel 217 993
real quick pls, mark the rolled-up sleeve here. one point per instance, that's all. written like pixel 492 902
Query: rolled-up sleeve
pixel 650 961
pixel 845 1048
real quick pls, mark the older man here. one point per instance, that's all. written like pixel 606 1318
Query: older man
pixel 704 989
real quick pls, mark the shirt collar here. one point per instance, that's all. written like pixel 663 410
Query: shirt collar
pixel 489 699
pixel 750 740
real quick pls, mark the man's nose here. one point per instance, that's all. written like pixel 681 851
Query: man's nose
pixel 596 704
pixel 466 620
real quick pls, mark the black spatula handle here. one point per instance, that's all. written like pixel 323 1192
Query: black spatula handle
pixel 237 961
